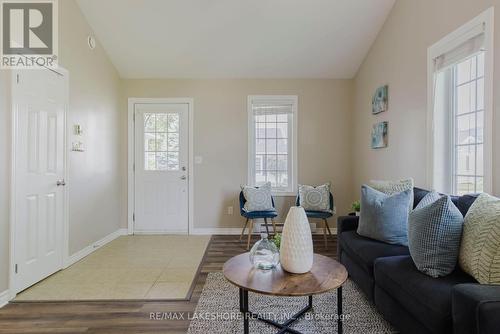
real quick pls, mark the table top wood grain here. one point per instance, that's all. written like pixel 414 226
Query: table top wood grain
pixel 326 274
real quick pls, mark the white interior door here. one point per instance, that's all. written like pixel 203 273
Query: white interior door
pixel 38 98
pixel 161 162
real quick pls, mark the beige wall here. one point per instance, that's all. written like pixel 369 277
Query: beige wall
pixel 96 174
pixel 5 161
pixel 220 137
pixel 399 58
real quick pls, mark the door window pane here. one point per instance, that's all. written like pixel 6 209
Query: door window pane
pixel 161 141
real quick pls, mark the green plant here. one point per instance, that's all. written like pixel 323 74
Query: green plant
pixel 277 240
pixel 356 206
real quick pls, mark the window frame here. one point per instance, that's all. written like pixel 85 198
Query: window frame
pixel 483 22
pixel 291 190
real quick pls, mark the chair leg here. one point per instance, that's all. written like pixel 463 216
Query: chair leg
pixel 328 227
pixel 243 230
pixel 267 227
pixel 324 234
pixel 274 226
pixel 250 229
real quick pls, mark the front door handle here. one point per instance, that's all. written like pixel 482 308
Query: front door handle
pixel 61 183
pixel 183 177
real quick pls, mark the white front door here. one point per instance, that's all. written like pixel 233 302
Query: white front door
pixel 38 99
pixel 161 162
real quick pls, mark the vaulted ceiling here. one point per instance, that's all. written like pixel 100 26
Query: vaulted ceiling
pixel 236 38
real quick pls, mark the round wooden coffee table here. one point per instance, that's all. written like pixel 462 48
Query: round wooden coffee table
pixel 325 275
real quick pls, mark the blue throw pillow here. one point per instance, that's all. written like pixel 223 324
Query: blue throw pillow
pixel 434 234
pixel 384 217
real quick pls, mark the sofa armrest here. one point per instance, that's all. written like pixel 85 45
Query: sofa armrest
pixel 347 223
pixel 475 308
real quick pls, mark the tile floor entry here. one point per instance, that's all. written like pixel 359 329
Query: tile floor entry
pixel 140 267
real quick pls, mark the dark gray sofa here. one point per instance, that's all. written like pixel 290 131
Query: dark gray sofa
pixel 414 302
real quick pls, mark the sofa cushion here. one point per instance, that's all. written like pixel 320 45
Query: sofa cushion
pixel 434 233
pixel 365 251
pixel 393 187
pixel 427 299
pixel 480 248
pixel 384 217
pixel 463 203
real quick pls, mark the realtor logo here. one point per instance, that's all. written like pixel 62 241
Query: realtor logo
pixel 29 34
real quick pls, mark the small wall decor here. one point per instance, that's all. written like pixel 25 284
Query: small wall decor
pixel 380 100
pixel 379 135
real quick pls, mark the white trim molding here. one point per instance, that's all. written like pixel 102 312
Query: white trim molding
pixel 93 247
pixel 4 298
pixel 132 101
pixel 483 23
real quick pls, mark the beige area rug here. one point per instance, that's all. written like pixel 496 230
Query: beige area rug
pixel 218 311
pixel 153 267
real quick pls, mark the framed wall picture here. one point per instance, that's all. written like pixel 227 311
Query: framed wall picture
pixel 380 100
pixel 380 135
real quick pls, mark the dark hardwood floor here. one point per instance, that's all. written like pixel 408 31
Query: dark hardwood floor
pixel 123 317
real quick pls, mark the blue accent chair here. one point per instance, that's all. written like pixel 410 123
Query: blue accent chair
pixel 323 215
pixel 251 215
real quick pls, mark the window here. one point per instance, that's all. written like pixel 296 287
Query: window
pixel 161 141
pixel 468 125
pixel 460 90
pixel 272 142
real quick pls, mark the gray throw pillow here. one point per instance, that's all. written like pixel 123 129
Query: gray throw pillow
pixel 384 217
pixel 315 198
pixel 258 199
pixel 434 234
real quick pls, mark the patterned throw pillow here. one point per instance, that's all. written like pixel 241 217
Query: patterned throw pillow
pixel 315 198
pixel 392 187
pixel 384 217
pixel 258 199
pixel 480 249
pixel 434 233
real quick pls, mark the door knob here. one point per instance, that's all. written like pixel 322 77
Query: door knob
pixel 183 177
pixel 61 183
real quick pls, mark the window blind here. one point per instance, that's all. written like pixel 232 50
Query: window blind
pixel 272 109
pixel 470 47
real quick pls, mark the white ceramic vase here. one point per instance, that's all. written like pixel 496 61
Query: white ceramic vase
pixel 296 250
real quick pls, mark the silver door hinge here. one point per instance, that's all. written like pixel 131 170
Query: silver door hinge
pixel 133 219
pixel 17 78
pixel 15 268
pixel 133 167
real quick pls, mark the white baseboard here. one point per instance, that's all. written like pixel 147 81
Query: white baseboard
pixel 171 232
pixel 93 247
pixel 4 298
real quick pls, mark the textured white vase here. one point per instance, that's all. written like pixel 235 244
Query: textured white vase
pixel 296 250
